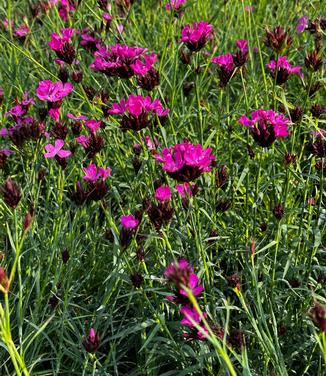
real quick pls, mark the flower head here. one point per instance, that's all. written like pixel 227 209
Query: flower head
pixel 278 39
pixel 53 91
pixel 163 193
pixel 11 193
pixel 174 4
pixel 138 112
pixel 93 173
pixel 62 46
pixel 92 342
pixel 266 126
pixel 120 60
pixel 197 35
pixel 56 150
pixel 186 162
pixel 302 24
pixel 282 69
pixel 129 222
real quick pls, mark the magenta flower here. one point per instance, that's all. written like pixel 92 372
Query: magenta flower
pixel 174 4
pixel 163 193
pixel 191 316
pixel 76 117
pixel 117 60
pixel 129 222
pixel 226 66
pixel 180 273
pixel 93 125
pixel 6 152
pixel 22 31
pixel 57 41
pixel 184 189
pixel 186 162
pixel 242 45
pixel 62 46
pixel 282 69
pixel 64 7
pixel 53 91
pixel 197 36
pixel 302 24
pixel 93 174
pixel 266 126
pixel 138 112
pixel 92 342
pixel 56 150
pixel 89 40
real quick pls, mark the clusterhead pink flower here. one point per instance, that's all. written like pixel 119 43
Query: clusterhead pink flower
pixel 302 24
pixel 186 162
pixel 163 193
pixel 266 126
pixel 53 91
pixel 197 35
pixel 174 4
pixel 57 41
pixel 93 173
pixel 56 150
pixel 93 125
pixel 282 69
pixel 129 222
pixel 137 110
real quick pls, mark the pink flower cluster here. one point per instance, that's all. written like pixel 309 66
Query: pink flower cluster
pixel 138 111
pixel 56 150
pixel 282 69
pixel 123 61
pixel 186 162
pixel 181 274
pixel 266 126
pixel 65 7
pixel 196 36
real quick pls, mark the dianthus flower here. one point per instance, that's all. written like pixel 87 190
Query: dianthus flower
pixel 148 76
pixel 53 91
pixel 186 162
pixel 282 69
pixel 163 193
pixel 138 112
pixel 180 273
pixel 93 174
pixel 196 36
pixel 62 46
pixel 88 40
pixel 266 126
pixel 129 222
pixel 174 4
pixel 302 24
pixel 56 150
pixel 192 316
pixel 226 67
pixel 118 60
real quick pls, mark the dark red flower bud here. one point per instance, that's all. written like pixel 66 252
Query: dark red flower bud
pixel 313 61
pixel 65 256
pixel 185 56
pixel 317 110
pixel 2 95
pixel 136 164
pixel 289 159
pixel 234 281
pixel 278 39
pixel 278 211
pixel 11 193
pixel 221 177
pixel 150 80
pixel 77 76
pixel 296 114
pixel 136 279
pixel 318 315
pixel 4 281
pixel 63 74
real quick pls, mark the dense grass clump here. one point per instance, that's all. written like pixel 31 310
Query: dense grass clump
pixel 162 188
